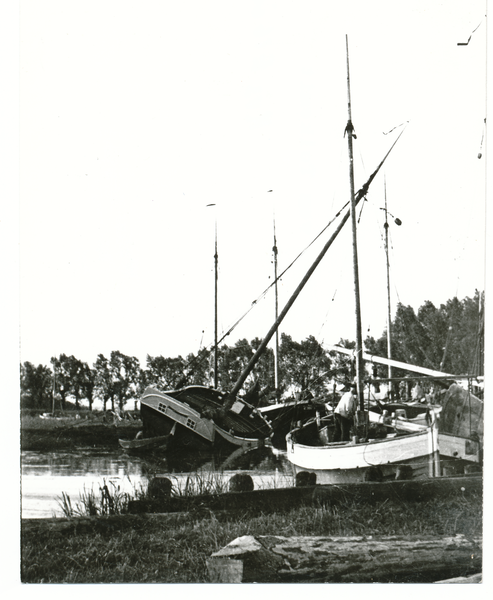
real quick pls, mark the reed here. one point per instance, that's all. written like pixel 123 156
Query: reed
pixel 201 483
pixel 164 551
pixel 108 500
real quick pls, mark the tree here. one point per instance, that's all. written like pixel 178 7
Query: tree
pixel 87 383
pixel 36 385
pixel 103 380
pixel 164 372
pixel 448 338
pixel 306 366
pixel 231 363
pixel 74 371
pixel 61 374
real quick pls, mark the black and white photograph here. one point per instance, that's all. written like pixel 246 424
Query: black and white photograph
pixel 251 272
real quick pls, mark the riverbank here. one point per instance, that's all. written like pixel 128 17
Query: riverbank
pixel 174 548
pixel 90 430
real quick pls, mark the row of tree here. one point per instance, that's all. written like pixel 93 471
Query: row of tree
pixel 448 338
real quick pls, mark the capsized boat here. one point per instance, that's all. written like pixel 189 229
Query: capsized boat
pixel 201 418
pixel 393 453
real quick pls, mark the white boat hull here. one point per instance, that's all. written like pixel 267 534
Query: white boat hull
pixel 345 462
pixel 451 446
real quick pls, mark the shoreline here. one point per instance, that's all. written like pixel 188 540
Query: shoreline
pixel 46 435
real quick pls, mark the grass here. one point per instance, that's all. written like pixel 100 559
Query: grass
pixel 108 500
pixel 154 549
pixel 91 429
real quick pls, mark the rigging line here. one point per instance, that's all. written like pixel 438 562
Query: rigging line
pixel 396 127
pixel 480 153
pixel 262 295
pixel 359 195
pixel 466 43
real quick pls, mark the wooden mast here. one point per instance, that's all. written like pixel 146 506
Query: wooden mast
pixel 253 361
pixel 215 305
pixel 359 338
pixel 276 345
pixel 389 318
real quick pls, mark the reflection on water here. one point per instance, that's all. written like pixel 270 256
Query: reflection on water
pixel 45 475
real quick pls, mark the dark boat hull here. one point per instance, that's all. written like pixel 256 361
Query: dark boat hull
pixel 283 417
pixel 200 421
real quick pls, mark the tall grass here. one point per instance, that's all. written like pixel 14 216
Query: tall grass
pixel 200 483
pixel 154 549
pixel 111 500
pixel 108 500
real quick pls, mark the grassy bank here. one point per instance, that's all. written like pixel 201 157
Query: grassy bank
pixel 174 548
pixel 89 429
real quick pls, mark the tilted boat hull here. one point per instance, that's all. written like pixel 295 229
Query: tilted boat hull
pixel 196 413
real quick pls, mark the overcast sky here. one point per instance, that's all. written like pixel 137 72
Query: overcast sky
pixel 134 116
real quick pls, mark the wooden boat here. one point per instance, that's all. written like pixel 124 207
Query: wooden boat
pixel 207 416
pixel 459 412
pixel 144 444
pixel 460 425
pixel 198 413
pixel 284 415
pixel 363 458
pixel 201 419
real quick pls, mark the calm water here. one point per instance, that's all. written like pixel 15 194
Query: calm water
pixel 45 475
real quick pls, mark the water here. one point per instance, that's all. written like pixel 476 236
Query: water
pixel 46 475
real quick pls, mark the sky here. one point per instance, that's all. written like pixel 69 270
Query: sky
pixel 135 117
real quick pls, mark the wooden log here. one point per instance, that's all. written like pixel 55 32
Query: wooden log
pixel 317 559
pixel 478 578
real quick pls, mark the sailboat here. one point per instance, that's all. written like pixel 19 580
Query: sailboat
pixel 363 458
pixel 194 416
pixel 459 412
pixel 460 424
pixel 210 417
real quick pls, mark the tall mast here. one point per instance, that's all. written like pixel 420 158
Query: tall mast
pixel 359 338
pixel 276 346
pixel 263 345
pixel 215 304
pixel 53 391
pixel 389 320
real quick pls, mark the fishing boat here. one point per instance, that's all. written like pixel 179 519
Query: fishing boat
pixel 198 414
pixel 459 412
pixel 362 458
pixel 208 416
pixel 201 418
